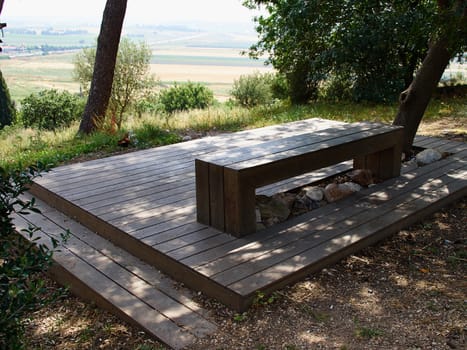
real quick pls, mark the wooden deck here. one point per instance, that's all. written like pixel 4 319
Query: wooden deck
pixel 144 202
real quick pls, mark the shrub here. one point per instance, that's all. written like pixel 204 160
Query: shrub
pixel 280 87
pixel 253 90
pixel 22 290
pixel 132 79
pixel 186 96
pixel 7 109
pixel 50 109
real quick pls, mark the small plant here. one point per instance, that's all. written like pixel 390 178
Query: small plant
pixel 240 317
pixel 367 332
pixel 262 299
pixel 22 288
pixel 317 315
pixel 51 109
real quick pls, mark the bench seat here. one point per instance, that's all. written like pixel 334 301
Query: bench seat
pixel 226 181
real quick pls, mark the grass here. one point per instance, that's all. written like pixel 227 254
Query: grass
pixel 20 147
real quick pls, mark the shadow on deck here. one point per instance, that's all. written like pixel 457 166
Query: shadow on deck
pixel 144 203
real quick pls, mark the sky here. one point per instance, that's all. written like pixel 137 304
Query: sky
pixel 138 11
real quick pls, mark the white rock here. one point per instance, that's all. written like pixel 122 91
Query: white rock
pixel 186 138
pixel 428 156
pixel 351 186
pixel 315 193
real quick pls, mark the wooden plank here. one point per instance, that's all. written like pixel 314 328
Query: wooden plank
pixel 179 240
pixel 97 180
pixel 316 237
pixel 216 196
pixel 281 145
pixel 122 267
pixel 239 205
pixel 231 256
pixel 199 246
pixel 142 204
pixel 203 211
pixel 302 247
pixel 391 222
pixel 168 230
pixel 90 176
pixel 379 139
pixel 224 140
pixel 304 179
pixel 156 215
pixel 115 187
pixel 121 257
pixel 158 191
pixel 241 179
pixel 251 243
pixel 120 300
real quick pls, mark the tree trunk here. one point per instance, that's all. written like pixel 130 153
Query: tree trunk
pixel 415 99
pixel 104 67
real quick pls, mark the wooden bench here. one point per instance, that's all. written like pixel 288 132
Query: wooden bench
pixel 226 181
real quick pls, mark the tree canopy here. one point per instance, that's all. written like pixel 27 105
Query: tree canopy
pixel 131 79
pixel 370 47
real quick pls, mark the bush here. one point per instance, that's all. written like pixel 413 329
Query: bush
pixel 185 97
pixel 50 109
pixel 22 290
pixel 253 90
pixel 280 87
pixel 7 108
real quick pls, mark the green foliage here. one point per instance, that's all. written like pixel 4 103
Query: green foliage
pixel 262 299
pixel 368 332
pixel 183 97
pixel 132 80
pixel 371 46
pixel 51 109
pixel 21 147
pixel 7 108
pixel 22 290
pixel 280 87
pixel 253 90
pixel 240 317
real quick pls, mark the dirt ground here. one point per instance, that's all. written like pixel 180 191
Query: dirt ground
pixel 407 292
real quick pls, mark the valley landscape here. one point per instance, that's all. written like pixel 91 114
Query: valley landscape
pixel 39 58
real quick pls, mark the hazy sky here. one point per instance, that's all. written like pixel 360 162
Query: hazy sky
pixel 138 11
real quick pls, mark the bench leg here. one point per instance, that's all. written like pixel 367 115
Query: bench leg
pixel 239 205
pixel 384 165
pixel 202 192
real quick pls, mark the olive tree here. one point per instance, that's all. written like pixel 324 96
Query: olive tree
pixel 131 79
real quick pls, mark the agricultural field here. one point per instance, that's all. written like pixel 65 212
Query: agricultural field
pixel 179 55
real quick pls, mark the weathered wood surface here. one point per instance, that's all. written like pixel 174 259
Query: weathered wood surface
pixel 228 180
pixel 97 270
pixel 145 203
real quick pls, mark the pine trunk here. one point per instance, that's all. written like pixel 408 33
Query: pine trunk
pixel 104 67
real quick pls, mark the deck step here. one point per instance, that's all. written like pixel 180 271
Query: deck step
pixel 97 270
